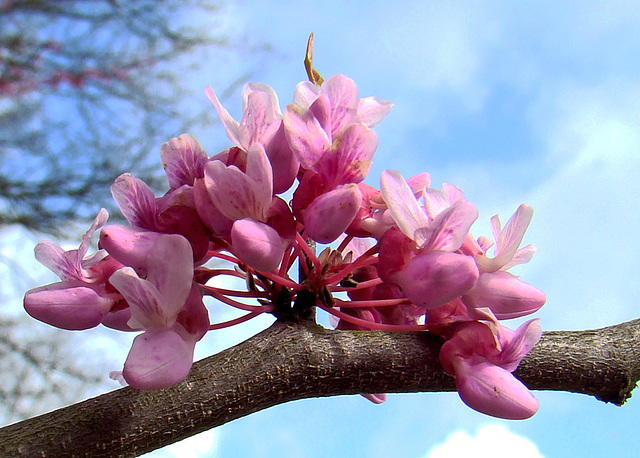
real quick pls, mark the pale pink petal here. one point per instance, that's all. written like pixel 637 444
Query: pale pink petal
pixel 234 131
pixel 183 160
pixel 170 269
pixel 136 201
pixel 404 207
pixel 260 111
pixel 307 138
pixel 69 305
pixel 330 214
pixel 450 228
pixel 72 265
pixel 518 344
pixel 148 307
pixel 233 192
pixel 158 359
pixel 507 240
pixel 343 94
pixel 435 278
pixel 494 391
pixel 62 263
pixel 506 295
pixel 257 244
pixel 259 171
pixel 209 214
pixel 305 94
pixel 371 110
pixel 418 183
pixel 522 256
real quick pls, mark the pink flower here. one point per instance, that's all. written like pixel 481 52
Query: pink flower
pixel 505 294
pixel 246 197
pixel 163 354
pixel 507 241
pixel 183 160
pixel 261 124
pixel 82 298
pixel 174 213
pixel 482 357
pixel 430 273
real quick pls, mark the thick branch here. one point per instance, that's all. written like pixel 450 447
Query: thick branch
pixel 292 361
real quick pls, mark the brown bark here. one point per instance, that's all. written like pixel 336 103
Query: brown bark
pixel 290 361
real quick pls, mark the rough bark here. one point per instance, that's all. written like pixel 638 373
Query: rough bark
pixel 290 361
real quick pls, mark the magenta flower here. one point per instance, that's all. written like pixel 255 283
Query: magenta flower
pixel 482 357
pixel 82 298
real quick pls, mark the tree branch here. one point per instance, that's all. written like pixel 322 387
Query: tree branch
pixel 290 361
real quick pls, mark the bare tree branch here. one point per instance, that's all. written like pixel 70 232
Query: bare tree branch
pixel 291 361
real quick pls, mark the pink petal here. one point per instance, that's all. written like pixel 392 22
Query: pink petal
pixel 435 278
pixel 506 295
pixel 305 94
pixel 349 159
pixel 241 195
pixel 494 391
pixel 209 214
pixel 330 214
pixel 136 201
pixel 158 359
pixel 518 344
pixel 260 112
pixel 376 398
pixel 72 265
pixel 170 269
pixel 129 245
pixel 68 305
pixel 257 244
pixel 194 316
pixel 507 240
pixel 183 160
pixel 148 307
pixel 343 94
pixel 450 228
pixel 259 171
pixel 305 134
pixel 284 163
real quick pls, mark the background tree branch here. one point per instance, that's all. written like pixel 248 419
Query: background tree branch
pixel 291 361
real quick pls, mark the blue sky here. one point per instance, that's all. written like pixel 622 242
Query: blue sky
pixel 535 103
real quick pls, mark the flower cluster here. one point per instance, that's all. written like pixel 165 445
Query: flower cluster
pixel 403 253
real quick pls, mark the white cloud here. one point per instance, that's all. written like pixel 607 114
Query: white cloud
pixel 491 441
pixel 203 445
